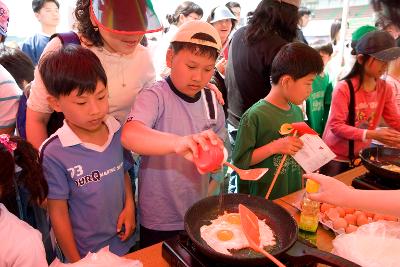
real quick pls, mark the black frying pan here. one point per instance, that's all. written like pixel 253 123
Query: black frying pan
pixel 373 158
pixel 280 221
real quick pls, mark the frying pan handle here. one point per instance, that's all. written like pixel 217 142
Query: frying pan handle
pixel 303 253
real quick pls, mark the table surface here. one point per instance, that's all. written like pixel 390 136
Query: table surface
pixel 151 256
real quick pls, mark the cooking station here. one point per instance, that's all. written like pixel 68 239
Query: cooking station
pixel 169 253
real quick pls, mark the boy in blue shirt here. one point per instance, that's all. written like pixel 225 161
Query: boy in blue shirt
pixel 90 199
pixel 259 142
pixel 47 13
pixel 165 125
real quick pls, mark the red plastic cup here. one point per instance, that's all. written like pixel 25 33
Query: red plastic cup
pixel 210 160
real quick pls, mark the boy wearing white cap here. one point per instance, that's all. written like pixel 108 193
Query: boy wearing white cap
pixel 167 122
pixel 9 90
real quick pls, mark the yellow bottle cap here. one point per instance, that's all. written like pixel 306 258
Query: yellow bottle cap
pixel 312 186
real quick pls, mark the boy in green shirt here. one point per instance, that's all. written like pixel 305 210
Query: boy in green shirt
pixel 319 101
pixel 259 143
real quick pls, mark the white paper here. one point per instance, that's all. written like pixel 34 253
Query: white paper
pixel 314 154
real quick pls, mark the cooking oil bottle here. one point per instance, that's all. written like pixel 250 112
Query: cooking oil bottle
pixel 310 209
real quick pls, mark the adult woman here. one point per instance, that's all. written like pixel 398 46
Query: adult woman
pixel 224 22
pixel 127 64
pixel 186 11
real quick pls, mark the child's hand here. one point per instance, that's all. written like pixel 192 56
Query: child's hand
pixel 287 145
pixel 217 93
pixel 330 191
pixel 221 65
pixel 187 145
pixel 387 136
pixel 127 219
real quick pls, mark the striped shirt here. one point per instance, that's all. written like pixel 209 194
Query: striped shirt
pixel 9 98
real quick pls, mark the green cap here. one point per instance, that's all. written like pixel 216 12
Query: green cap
pixel 361 31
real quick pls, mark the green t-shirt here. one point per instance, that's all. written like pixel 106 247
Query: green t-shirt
pixel 260 125
pixel 318 103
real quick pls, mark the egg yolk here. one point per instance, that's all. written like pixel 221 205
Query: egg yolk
pixel 224 235
pixel 233 219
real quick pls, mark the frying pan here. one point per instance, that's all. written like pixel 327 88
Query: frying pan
pixel 381 156
pixel 280 221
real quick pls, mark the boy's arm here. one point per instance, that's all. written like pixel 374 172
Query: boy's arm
pixel 287 145
pixel 59 216
pixel 127 216
pixel 146 141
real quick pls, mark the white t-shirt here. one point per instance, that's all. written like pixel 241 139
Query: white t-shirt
pixel 21 245
pixel 135 71
pixel 9 99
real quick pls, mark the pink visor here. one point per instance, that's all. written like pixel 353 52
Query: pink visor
pixel 125 16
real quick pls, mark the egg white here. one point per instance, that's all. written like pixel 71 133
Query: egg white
pixel 239 240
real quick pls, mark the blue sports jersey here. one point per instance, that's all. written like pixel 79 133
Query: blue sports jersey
pixel 91 179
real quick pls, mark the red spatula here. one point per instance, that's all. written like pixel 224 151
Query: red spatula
pixel 251 230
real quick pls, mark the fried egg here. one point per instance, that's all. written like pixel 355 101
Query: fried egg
pixel 225 233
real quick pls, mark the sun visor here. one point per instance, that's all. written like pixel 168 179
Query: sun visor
pixel 126 16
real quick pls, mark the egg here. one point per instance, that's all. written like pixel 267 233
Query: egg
pixel 325 207
pixel 369 214
pixel 351 228
pixel 349 210
pixel 341 211
pixel 357 213
pixel 378 217
pixel 350 218
pixel 390 218
pixel 362 219
pixel 332 214
pixel 339 223
pixel 225 233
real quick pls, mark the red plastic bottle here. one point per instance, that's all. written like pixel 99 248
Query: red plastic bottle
pixel 210 160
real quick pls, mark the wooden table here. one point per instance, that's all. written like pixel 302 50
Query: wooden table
pixel 151 256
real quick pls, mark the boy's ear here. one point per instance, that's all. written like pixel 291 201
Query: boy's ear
pixel 54 103
pixel 37 16
pixel 285 81
pixel 169 56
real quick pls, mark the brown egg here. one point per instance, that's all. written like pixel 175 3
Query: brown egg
pixel 325 207
pixel 369 214
pixel 390 218
pixel 351 219
pixel 378 217
pixel 339 223
pixel 351 228
pixel 349 210
pixel 332 214
pixel 362 219
pixel 358 212
pixel 341 211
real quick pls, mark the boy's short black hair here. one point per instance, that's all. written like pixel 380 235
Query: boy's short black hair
pixel 38 4
pixel 196 48
pixel 69 68
pixel 296 60
pixel 17 63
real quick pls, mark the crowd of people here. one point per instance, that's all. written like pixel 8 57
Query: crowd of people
pixel 86 115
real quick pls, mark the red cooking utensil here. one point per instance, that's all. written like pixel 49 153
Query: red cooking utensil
pixel 251 230
pixel 250 174
pixel 214 157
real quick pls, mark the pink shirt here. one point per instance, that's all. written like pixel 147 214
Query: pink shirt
pixel 395 82
pixel 370 107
